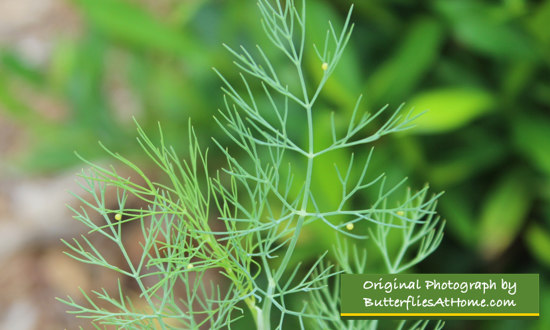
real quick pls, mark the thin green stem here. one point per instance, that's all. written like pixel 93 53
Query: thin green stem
pixel 303 210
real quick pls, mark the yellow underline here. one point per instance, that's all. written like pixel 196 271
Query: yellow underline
pixel 439 314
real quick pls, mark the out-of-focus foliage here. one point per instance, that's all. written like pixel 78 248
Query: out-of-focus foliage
pixel 480 68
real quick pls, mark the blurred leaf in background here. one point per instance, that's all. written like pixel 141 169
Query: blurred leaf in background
pixel 450 108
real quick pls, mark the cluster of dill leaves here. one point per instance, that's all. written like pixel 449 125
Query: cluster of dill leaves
pixel 219 247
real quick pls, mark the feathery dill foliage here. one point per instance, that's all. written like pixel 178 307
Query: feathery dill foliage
pixel 225 242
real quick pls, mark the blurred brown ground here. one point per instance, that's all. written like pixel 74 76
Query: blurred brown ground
pixel 33 216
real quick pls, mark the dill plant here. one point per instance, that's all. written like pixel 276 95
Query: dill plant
pixel 243 223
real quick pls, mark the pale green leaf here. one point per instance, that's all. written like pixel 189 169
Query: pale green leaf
pixel 450 108
pixel 503 214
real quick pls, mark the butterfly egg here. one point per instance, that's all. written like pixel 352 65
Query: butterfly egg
pixel 118 217
pixel 190 266
pixel 350 226
pixel 400 213
pixel 324 66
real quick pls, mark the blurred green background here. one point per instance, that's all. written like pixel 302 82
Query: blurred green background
pixel 481 68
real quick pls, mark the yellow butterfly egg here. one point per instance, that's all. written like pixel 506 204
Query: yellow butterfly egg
pixel 324 66
pixel 118 217
pixel 400 213
pixel 350 226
